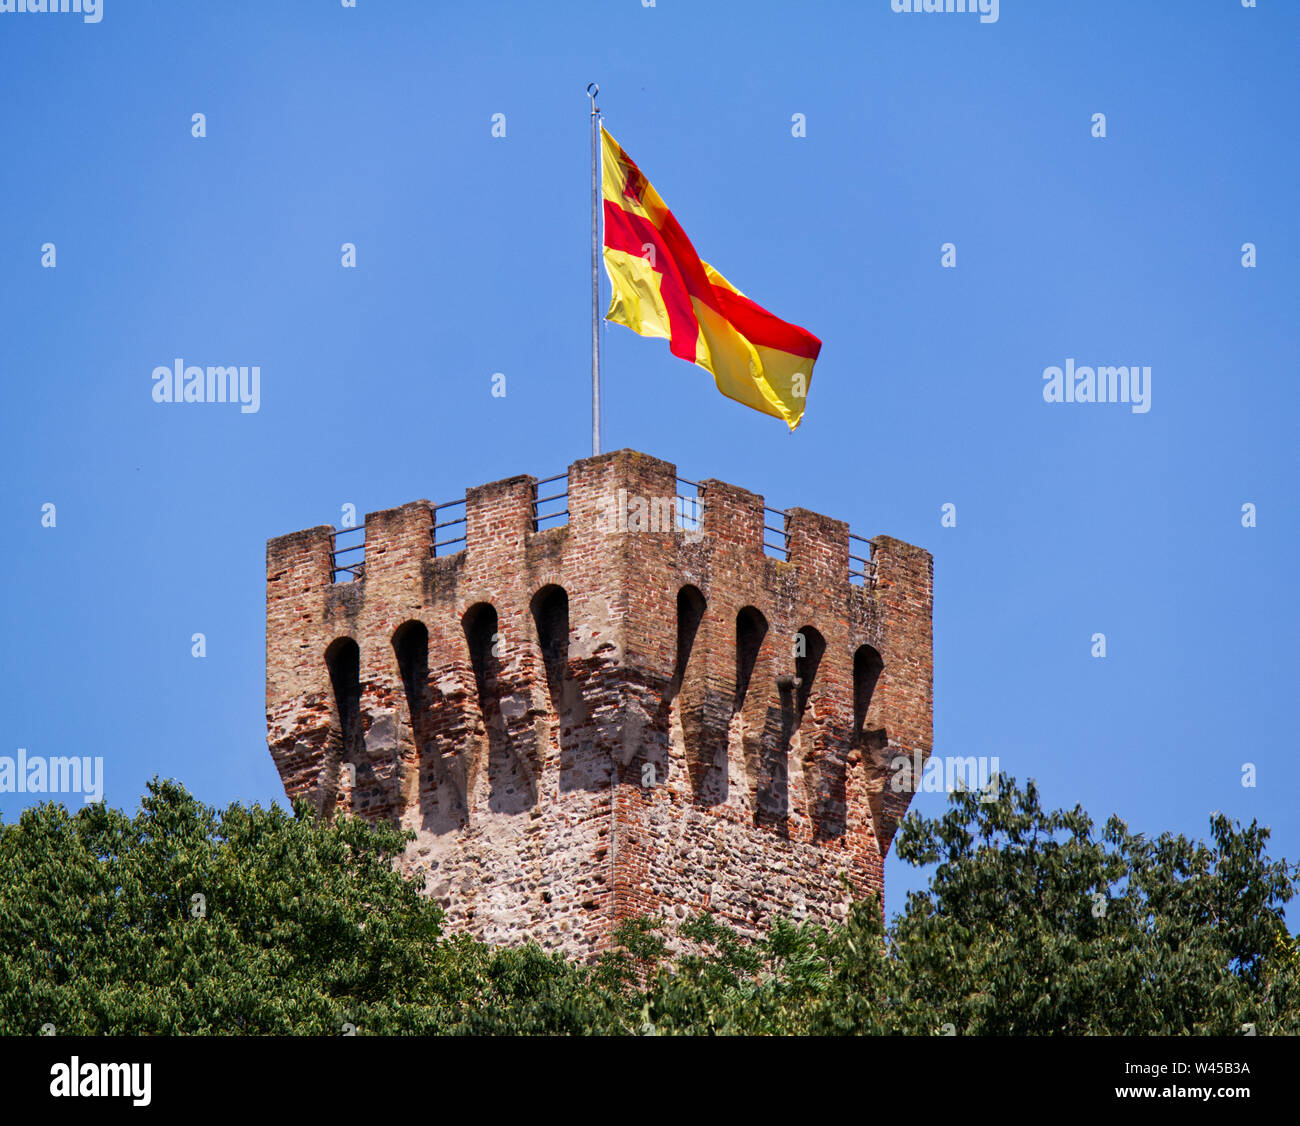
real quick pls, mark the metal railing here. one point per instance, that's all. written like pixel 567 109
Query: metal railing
pixel 778 550
pixel 550 519
pixel 690 511
pixel 354 568
pixel 441 526
pixel 862 571
pixel 689 517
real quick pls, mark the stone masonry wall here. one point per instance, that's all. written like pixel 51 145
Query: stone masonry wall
pixel 612 717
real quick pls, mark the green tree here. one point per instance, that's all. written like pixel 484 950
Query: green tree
pixel 1035 924
pixel 1032 924
pixel 184 920
pixel 303 927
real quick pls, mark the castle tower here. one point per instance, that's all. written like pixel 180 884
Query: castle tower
pixel 625 713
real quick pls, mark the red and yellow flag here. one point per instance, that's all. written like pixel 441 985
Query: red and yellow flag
pixel 662 288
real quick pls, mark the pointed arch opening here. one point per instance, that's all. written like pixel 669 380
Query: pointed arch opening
pixel 347 738
pixel 690 612
pixel 511 767
pixel 810 647
pixel 481 636
pixel 411 649
pixel 686 695
pixel 550 610
pixel 867 667
pixel 751 628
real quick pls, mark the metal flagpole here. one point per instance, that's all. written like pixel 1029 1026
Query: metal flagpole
pixel 592 91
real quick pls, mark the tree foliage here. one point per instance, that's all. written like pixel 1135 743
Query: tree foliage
pixel 185 920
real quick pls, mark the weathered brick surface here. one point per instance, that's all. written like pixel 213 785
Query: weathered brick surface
pixel 562 773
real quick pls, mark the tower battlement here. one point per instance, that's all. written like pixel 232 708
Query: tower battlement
pixel 628 713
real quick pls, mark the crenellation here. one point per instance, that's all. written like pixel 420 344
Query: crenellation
pixel 733 520
pixel 819 547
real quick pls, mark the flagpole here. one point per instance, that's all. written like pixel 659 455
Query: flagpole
pixel 592 91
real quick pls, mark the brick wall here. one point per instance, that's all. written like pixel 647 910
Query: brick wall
pixel 567 755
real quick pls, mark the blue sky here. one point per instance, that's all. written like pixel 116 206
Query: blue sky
pixel 372 125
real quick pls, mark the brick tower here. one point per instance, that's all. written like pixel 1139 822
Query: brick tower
pixel 625 713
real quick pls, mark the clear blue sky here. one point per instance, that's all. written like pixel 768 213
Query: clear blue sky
pixel 372 125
